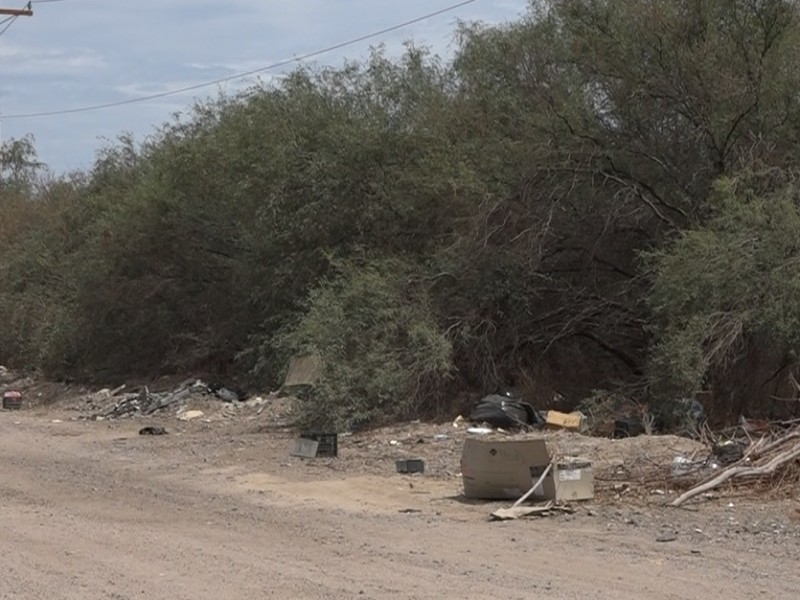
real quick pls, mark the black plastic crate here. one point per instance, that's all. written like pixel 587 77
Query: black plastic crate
pixel 410 465
pixel 328 442
pixel 12 401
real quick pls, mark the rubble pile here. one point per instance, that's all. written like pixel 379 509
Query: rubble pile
pixel 118 404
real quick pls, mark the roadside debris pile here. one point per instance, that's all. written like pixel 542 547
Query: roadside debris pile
pixel 774 456
pixel 117 403
pixel 505 412
pixel 508 412
pixel 10 381
pixel 9 390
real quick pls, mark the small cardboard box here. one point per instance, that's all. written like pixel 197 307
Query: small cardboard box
pixel 569 479
pixel 575 421
pixel 495 468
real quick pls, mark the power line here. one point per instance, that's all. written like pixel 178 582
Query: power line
pixel 14 13
pixel 243 74
pixel 10 21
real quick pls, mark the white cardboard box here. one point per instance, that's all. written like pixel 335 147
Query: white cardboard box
pixel 504 468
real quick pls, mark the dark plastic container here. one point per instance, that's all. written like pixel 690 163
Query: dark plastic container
pixel 328 442
pixel 12 401
pixel 411 465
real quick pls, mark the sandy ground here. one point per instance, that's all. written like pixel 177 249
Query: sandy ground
pixel 92 510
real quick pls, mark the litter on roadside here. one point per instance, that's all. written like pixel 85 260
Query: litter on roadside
pixel 506 468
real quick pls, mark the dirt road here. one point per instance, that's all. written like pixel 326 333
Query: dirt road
pixel 92 510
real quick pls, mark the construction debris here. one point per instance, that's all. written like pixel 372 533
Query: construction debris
pixel 144 402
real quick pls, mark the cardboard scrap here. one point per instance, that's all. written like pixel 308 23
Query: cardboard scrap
pixel 518 512
pixel 574 421
pixel 304 371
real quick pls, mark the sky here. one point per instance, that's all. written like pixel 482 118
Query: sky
pixel 81 53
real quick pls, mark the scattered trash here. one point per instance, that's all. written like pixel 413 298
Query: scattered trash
pixel 152 431
pixel 506 468
pixel 518 512
pixel 12 400
pixel 480 430
pixel 190 415
pixel 328 442
pixel 227 394
pixel 409 511
pixel 305 448
pixel 505 412
pixel 575 421
pixel 729 452
pixel 144 402
pixel 411 465
pixel 681 466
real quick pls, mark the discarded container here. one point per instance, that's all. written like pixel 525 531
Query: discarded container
pixel 411 465
pixel 575 421
pixel 328 442
pixel 681 466
pixel 569 479
pixel 12 401
pixel 628 427
pixel 496 469
pixel 304 448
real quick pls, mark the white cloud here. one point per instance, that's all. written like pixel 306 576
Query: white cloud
pixel 74 54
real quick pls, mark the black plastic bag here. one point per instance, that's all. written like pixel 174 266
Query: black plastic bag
pixel 505 413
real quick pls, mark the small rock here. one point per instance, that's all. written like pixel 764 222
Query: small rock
pixel 667 537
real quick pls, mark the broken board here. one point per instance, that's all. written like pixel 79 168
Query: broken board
pixel 304 371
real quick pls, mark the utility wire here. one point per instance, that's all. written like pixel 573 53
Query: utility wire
pixel 243 74
pixel 9 21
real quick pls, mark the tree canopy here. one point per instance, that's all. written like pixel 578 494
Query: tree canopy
pixel 600 195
